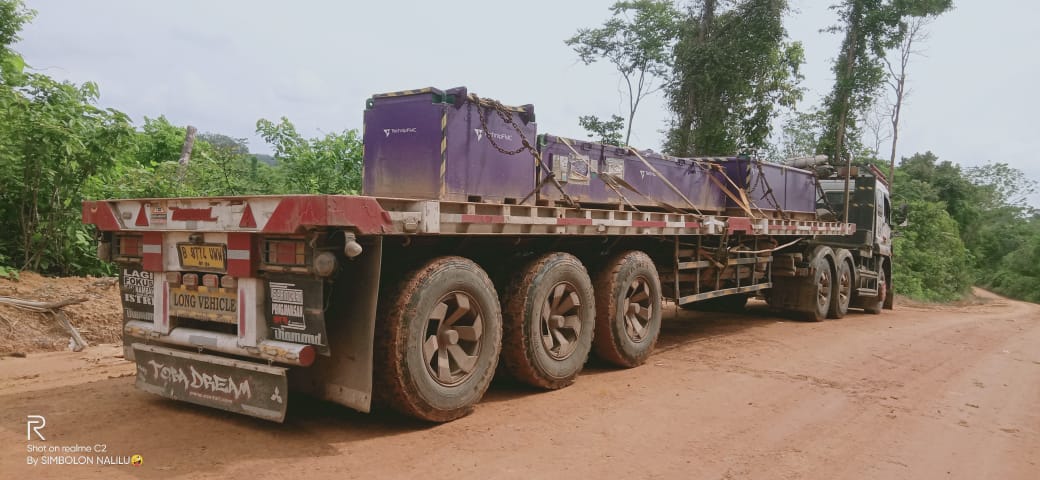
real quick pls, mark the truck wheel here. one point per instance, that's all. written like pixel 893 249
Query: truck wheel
pixel 438 339
pixel 874 307
pixel 821 288
pixel 842 293
pixel 628 309
pixel 549 313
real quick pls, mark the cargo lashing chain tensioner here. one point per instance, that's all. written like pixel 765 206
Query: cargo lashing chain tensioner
pixel 507 116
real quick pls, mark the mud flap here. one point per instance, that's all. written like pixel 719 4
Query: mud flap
pixel 249 388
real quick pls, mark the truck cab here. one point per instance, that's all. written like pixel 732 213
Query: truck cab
pixel 870 209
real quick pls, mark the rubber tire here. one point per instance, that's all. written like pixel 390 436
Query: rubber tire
pixel 838 309
pixel 821 264
pixel 523 354
pixel 400 375
pixel 727 304
pixel 612 343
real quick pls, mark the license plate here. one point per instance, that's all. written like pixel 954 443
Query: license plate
pixel 242 387
pixel 203 257
pixel 203 303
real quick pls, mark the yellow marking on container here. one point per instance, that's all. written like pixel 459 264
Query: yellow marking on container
pixel 402 93
pixel 444 150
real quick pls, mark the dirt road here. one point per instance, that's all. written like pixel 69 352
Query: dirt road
pixel 918 393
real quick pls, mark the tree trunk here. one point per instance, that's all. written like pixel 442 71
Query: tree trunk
pixel 189 144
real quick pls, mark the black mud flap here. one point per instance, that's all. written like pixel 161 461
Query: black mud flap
pixel 253 389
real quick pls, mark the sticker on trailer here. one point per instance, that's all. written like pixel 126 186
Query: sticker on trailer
pixel 295 311
pixel 204 303
pixel 157 214
pixel 137 287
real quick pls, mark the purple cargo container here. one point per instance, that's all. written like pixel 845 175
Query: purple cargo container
pixel 576 164
pixel 793 189
pixel 689 176
pixel 431 144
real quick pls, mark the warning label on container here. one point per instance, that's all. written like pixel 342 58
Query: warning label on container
pixel 575 170
pixel 615 167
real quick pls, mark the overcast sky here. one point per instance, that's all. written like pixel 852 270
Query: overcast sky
pixel 221 65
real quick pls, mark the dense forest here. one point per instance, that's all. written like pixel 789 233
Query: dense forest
pixel 728 70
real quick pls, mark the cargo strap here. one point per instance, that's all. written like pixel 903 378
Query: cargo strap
pixel 506 114
pixel 608 180
pixel 663 179
pixel 743 204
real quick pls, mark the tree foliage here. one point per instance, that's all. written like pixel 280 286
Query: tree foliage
pixel 733 68
pixel 53 137
pixel 870 28
pixel 328 164
pixel 637 41
pixel 984 209
pixel 930 258
pixel 609 132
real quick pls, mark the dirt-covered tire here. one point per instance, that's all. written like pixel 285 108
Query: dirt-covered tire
pixel 844 286
pixel 438 339
pixel 821 286
pixel 628 309
pixel 548 313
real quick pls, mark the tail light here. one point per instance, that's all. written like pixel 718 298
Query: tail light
pixel 128 246
pixel 210 280
pixel 285 252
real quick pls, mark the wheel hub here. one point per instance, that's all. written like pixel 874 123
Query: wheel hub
pixel 637 309
pixel 452 344
pixel 560 321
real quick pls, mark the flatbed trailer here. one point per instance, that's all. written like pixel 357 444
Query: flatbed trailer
pixel 233 302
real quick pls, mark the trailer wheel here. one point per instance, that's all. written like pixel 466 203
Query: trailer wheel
pixel 549 313
pixel 628 309
pixel 843 283
pixel 438 339
pixel 821 287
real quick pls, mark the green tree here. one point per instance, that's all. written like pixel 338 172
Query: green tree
pixel 604 131
pixel 870 27
pixel 53 138
pixel 637 40
pixel 733 67
pixel 930 258
pixel 13 15
pixel 328 164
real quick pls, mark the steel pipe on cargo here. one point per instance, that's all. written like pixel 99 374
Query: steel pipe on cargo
pixel 274 350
